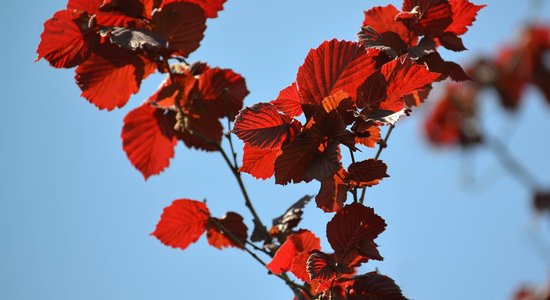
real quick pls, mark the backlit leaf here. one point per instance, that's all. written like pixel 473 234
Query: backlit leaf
pixel 148 138
pixel 289 101
pixel 260 163
pixel 111 75
pixel 182 25
pixel 302 241
pixel 464 15
pixel 182 223
pixel 67 40
pixel 333 66
pixel 262 126
pixel 367 172
pixel 233 223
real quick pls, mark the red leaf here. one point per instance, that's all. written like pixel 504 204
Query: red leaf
pixel 283 225
pixel 111 75
pixel 201 132
pixel 431 18
pixel 262 126
pixel 223 92
pixel 351 233
pixel 374 286
pixel 464 15
pixel 289 101
pixel 210 7
pixel 368 136
pixel 452 42
pixel 260 163
pixel 296 162
pixel 321 266
pixel 232 222
pixel 405 77
pixel 388 31
pixel 182 24
pixel 367 172
pixel 334 66
pixel 67 40
pixel 182 223
pixel 302 241
pixel 148 138
pixel 333 192
pixel 105 18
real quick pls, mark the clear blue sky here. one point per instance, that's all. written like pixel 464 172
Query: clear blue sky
pixel 75 216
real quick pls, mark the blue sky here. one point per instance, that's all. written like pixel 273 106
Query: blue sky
pixel 75 216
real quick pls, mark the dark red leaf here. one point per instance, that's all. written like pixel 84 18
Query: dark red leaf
pixel 289 101
pixel 283 225
pixel 351 233
pixel 262 126
pixel 321 266
pixel 105 17
pixel 367 172
pixel 148 138
pixel 429 17
pixel 182 25
pixel 210 7
pixel 111 75
pixel 233 223
pixel 452 42
pixel 296 158
pixel 135 38
pixel 464 14
pixel 435 63
pixel 369 135
pixel 260 163
pixel 334 66
pixel 182 223
pixel 374 286
pixel 202 133
pixel 333 192
pixel 223 92
pixel 302 241
pixel 67 39
pixel 381 29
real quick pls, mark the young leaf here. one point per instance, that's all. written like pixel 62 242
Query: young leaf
pixel 367 172
pixel 232 222
pixel 302 241
pixel 464 15
pixel 321 266
pixel 427 17
pixel 381 30
pixel 148 138
pixel 182 223
pixel 289 101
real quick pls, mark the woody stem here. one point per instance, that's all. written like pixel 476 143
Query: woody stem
pixel 383 144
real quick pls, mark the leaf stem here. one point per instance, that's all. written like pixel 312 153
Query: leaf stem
pixel 383 144
pixel 354 190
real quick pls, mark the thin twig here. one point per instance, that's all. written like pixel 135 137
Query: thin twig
pixel 509 163
pixel 293 285
pixel 230 139
pixel 256 218
pixel 382 145
pixel 354 190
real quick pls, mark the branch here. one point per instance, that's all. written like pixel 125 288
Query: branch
pixel 511 165
pixel 383 144
pixel 295 287
pixel 354 190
